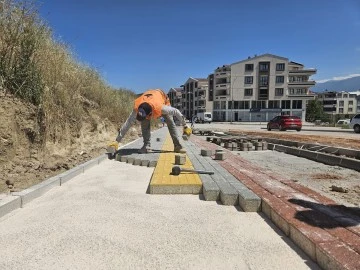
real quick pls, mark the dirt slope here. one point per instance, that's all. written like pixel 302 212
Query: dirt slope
pixel 25 160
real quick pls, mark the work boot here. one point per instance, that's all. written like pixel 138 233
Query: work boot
pixel 179 149
pixel 145 150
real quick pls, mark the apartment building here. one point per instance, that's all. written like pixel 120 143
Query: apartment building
pixel 357 94
pixel 339 104
pixel 175 96
pixel 259 88
pixel 194 97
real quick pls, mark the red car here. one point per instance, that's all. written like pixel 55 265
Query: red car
pixel 285 122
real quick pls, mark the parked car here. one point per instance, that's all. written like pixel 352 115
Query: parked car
pixel 285 122
pixel 355 123
pixel 343 122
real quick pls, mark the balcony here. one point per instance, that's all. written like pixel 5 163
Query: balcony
pixel 218 93
pixel 222 74
pixel 300 93
pixel 302 83
pixel 222 86
pixel 308 72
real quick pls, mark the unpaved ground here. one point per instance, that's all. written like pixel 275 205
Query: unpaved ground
pixel 26 159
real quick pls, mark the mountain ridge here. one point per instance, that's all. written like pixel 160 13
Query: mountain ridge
pixel 348 85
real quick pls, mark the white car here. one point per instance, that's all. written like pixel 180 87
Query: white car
pixel 343 122
pixel 355 123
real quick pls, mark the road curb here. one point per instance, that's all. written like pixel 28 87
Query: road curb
pixel 329 159
pixel 19 199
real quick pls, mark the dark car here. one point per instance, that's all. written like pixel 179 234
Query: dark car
pixel 285 122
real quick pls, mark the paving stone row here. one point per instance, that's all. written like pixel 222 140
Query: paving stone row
pixel 228 194
pixel 327 232
pixel 210 189
pixel 222 185
pixel 129 153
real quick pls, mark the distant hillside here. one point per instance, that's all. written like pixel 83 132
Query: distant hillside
pixel 351 84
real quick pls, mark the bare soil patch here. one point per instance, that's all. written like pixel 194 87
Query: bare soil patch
pixel 27 159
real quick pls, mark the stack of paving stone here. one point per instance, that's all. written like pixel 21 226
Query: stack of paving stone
pixel 239 143
pixel 129 153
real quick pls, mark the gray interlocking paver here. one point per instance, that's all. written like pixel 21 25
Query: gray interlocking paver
pixel 129 153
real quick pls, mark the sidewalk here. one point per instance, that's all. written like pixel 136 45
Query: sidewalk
pixel 104 219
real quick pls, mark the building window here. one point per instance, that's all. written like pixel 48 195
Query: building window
pixel 280 67
pixel 350 102
pixel 279 91
pixel 264 66
pixel 274 104
pixel 341 103
pixel 341 110
pixel 260 104
pixel 249 67
pixel 349 109
pixel 248 92
pixel 223 105
pixel 216 105
pixel 264 80
pixel 279 79
pixel 248 79
pixel 285 104
pixel 297 104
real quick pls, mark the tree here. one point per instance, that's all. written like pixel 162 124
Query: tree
pixel 315 111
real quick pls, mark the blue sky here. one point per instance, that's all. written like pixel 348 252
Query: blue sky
pixel 142 44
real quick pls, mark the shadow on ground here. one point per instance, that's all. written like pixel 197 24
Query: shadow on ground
pixel 327 216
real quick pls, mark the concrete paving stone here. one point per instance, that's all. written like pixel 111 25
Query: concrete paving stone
pixel 327 158
pixel 145 162
pixel 211 190
pixel 33 192
pixel 248 200
pixel 206 152
pixel 152 163
pixel 70 174
pixel 228 195
pixel 130 160
pixel 8 204
pixel 336 255
pixel 129 153
pixel 350 163
pixel 137 161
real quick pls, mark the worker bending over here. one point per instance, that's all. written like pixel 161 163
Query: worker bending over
pixel 153 104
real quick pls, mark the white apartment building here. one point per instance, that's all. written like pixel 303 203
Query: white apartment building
pixel 259 88
pixel 194 97
pixel 339 104
pixel 175 96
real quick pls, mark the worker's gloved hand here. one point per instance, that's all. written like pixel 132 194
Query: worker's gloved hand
pixel 112 147
pixel 187 130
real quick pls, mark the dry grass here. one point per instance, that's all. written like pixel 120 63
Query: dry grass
pixel 42 70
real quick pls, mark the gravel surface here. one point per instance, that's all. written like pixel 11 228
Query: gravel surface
pixel 314 175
